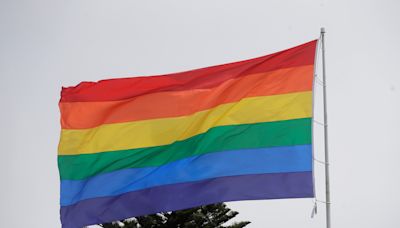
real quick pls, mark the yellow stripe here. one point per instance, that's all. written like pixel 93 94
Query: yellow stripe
pixel 164 131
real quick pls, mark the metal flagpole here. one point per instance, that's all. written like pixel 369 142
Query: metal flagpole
pixel 327 187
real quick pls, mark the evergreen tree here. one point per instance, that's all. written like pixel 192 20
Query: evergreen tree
pixel 209 216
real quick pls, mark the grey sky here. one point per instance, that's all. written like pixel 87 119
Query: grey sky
pixel 45 44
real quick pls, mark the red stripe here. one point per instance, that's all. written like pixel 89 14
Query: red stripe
pixel 124 88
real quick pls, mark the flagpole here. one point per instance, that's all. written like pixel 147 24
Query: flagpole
pixel 327 184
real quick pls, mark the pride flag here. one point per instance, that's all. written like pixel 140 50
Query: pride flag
pixel 142 145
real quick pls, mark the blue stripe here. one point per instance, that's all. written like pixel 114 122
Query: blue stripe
pixel 186 195
pixel 227 163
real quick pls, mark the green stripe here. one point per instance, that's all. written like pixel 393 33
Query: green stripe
pixel 224 138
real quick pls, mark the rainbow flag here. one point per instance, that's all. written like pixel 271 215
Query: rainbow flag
pixel 142 145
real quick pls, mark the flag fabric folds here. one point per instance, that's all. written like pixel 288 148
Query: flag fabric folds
pixel 142 145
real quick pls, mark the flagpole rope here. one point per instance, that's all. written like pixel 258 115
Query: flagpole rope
pixel 321 201
pixel 320 123
pixel 319 81
pixel 317 49
pixel 319 161
pixel 314 210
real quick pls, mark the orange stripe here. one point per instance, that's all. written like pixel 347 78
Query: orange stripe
pixel 82 115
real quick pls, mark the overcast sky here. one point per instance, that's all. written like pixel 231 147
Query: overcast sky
pixel 45 44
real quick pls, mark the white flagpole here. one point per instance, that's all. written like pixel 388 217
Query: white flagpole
pixel 327 187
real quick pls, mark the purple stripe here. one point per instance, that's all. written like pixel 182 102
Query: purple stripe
pixel 186 195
